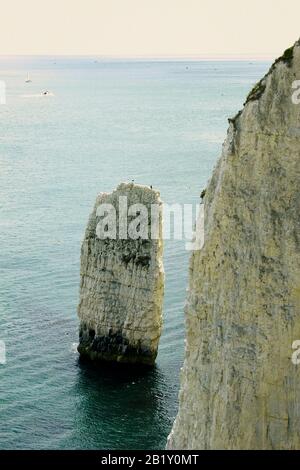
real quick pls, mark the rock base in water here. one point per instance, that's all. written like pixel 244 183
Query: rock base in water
pixel 112 347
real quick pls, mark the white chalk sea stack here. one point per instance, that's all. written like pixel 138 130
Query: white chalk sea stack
pixel 122 281
pixel 239 386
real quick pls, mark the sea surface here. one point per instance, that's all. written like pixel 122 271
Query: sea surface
pixel 161 123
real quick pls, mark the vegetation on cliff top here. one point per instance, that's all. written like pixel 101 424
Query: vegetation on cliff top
pixel 258 90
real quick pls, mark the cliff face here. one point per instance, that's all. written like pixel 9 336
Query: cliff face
pixel 122 282
pixel 239 387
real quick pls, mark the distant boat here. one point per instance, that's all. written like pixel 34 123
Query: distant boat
pixel 28 80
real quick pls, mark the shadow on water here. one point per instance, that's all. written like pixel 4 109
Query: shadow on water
pixel 121 406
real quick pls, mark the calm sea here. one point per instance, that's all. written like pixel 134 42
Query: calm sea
pixel 161 123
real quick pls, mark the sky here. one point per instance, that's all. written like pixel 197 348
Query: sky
pixel 149 28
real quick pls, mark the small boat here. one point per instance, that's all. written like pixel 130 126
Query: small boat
pixel 28 80
pixel 45 93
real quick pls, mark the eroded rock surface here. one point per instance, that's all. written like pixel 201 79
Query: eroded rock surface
pixel 122 284
pixel 239 387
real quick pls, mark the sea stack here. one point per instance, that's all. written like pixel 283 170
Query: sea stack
pixel 240 387
pixel 122 277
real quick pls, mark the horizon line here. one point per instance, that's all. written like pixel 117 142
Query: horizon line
pixel 202 56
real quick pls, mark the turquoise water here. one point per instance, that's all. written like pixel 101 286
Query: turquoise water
pixel 159 123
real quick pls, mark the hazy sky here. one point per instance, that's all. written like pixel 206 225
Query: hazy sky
pixel 149 27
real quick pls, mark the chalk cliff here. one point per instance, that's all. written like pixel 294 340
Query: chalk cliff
pixel 239 387
pixel 122 280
